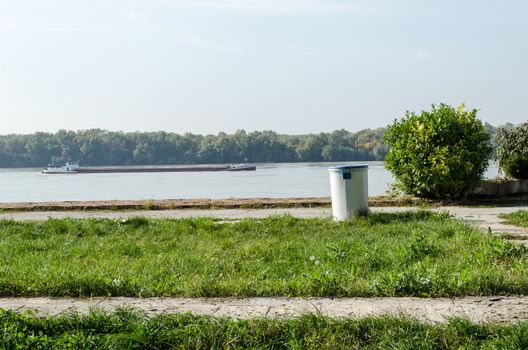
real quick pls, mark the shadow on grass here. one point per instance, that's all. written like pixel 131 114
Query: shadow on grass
pixel 374 218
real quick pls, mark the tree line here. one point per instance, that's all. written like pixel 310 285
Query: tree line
pixel 102 147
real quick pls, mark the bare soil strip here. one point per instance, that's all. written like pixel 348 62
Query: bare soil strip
pixel 165 204
pixel 243 203
pixel 477 309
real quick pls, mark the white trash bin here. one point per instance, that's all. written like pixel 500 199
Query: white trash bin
pixel 349 189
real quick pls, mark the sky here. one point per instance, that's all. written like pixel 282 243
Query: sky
pixel 293 66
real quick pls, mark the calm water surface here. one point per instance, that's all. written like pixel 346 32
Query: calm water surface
pixel 270 180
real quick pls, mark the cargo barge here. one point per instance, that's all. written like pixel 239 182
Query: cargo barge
pixel 74 168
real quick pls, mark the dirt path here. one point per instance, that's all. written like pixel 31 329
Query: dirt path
pixel 477 309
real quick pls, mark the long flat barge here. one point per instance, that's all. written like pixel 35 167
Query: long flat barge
pixel 70 168
pixel 162 169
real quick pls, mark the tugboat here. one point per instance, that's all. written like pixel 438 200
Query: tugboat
pixel 68 168
pixel 241 167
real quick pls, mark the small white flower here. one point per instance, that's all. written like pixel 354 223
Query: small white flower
pixel 116 282
pixel 312 258
pixel 317 262
pixel 123 220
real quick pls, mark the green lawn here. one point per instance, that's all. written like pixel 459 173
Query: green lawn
pixel 127 329
pixel 519 218
pixel 405 254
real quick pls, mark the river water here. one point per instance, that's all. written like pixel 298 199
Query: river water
pixel 273 180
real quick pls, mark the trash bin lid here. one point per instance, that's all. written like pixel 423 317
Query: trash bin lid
pixel 346 167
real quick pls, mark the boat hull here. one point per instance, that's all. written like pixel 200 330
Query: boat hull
pixel 152 169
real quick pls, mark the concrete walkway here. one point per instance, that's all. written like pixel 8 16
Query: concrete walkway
pixel 477 309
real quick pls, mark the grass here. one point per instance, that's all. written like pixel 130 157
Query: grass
pixel 399 254
pixel 518 218
pixel 129 329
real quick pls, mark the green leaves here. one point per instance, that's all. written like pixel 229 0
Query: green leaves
pixel 512 151
pixel 438 154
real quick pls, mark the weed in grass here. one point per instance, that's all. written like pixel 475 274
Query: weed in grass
pixel 421 247
pixel 505 251
pixel 135 222
pixel 412 253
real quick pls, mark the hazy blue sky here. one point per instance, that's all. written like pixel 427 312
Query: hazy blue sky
pixel 294 66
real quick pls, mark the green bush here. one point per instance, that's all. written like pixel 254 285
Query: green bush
pixel 438 154
pixel 512 151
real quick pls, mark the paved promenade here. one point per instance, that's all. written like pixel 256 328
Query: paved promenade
pixel 477 309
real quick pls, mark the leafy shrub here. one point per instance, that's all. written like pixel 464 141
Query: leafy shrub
pixel 438 154
pixel 512 151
